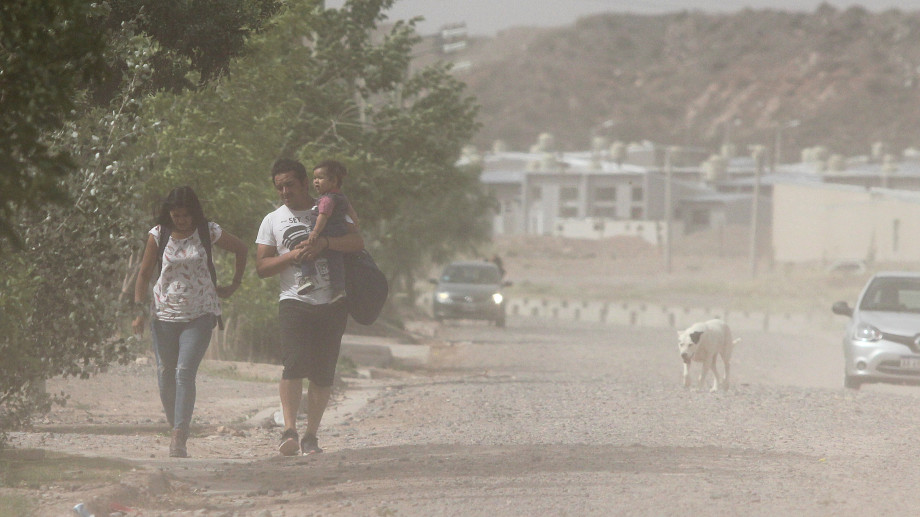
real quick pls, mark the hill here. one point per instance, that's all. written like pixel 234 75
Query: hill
pixel 851 77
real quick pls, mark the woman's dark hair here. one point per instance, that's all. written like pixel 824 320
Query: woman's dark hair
pixel 181 197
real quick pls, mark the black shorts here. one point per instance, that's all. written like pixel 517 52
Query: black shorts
pixel 311 336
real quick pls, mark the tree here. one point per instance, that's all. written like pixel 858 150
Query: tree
pixel 62 301
pixel 326 83
pixel 53 51
pixel 63 286
pixel 195 39
pixel 47 50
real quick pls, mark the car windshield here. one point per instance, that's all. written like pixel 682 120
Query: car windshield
pixel 892 294
pixel 470 274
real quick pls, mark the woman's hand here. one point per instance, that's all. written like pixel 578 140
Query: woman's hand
pixel 138 325
pixel 225 291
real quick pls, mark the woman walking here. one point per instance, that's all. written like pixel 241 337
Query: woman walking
pixel 185 301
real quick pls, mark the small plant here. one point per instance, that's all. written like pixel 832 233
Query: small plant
pixel 33 468
pixel 16 505
pixel 346 367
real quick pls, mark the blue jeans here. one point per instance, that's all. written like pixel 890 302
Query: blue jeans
pixel 179 348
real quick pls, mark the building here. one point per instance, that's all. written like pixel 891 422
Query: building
pixel 588 195
pixel 856 209
pixel 825 223
pixel 866 212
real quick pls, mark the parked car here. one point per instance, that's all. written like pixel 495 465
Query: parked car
pixel 882 340
pixel 470 290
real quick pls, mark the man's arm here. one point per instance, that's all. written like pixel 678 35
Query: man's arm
pixel 352 241
pixel 269 263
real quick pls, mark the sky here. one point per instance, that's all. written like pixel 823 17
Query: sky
pixel 487 17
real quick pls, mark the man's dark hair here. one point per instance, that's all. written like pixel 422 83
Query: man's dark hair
pixel 283 165
pixel 335 169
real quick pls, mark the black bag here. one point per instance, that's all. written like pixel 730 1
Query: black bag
pixel 365 285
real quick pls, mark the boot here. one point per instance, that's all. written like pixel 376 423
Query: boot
pixel 177 444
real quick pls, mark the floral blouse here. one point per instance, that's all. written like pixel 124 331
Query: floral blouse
pixel 184 291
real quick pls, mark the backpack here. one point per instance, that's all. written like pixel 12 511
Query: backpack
pixel 365 286
pixel 204 233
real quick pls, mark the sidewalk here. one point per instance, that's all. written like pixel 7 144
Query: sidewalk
pixel 383 352
pixel 365 352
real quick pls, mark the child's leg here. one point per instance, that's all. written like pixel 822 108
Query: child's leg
pixel 307 277
pixel 307 269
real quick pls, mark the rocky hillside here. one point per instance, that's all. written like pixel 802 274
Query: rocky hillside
pixel 851 77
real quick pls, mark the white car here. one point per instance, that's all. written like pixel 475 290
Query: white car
pixel 882 340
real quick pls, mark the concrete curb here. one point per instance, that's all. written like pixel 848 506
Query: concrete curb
pixel 383 352
pixel 365 351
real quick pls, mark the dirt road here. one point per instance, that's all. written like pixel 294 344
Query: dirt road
pixel 540 418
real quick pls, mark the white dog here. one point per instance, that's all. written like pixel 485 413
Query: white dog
pixel 703 342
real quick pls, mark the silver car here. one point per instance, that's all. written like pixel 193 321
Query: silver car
pixel 470 290
pixel 882 341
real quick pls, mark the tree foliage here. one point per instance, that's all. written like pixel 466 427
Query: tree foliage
pixel 62 292
pixel 314 84
pixel 47 50
pixel 61 288
pixel 195 40
pixel 331 84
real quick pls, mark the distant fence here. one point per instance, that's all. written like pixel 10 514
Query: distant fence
pixel 640 314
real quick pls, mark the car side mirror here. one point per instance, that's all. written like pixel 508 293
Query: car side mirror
pixel 842 308
pixel 507 283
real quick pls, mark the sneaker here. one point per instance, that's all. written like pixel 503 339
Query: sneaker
pixel 309 445
pixel 288 445
pixel 306 285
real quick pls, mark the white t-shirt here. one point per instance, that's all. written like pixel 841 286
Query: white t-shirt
pixel 184 290
pixel 279 229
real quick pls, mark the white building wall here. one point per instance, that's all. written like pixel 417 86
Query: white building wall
pixel 819 222
pixel 653 232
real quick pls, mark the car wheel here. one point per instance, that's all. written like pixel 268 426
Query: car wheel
pixel 851 383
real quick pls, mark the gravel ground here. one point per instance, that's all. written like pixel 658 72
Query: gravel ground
pixel 543 417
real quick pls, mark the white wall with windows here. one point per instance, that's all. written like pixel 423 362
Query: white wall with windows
pixel 814 222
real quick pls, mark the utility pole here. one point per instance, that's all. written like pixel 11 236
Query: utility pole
pixel 757 152
pixel 667 209
pixel 778 143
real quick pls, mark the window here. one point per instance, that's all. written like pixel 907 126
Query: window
pixel 568 211
pixel 699 217
pixel 568 193
pixel 609 212
pixel 486 274
pixel 892 294
pixel 605 194
pixel 636 212
pixel 638 194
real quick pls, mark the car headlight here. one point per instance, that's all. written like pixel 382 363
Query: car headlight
pixel 497 298
pixel 864 332
pixel 442 297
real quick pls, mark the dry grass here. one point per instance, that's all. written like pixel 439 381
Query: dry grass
pixel 710 269
pixel 35 468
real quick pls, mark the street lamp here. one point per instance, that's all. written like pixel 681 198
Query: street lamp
pixel 778 145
